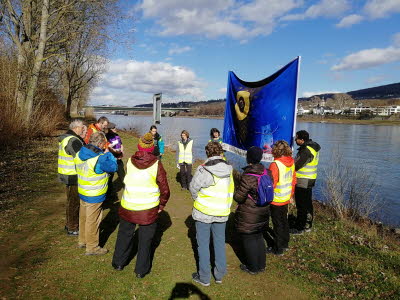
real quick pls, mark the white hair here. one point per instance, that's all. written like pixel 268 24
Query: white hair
pixel 75 123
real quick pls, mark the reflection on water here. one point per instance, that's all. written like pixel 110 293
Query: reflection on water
pixel 376 148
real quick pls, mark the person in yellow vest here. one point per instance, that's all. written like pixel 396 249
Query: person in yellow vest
pixel 185 159
pixel 145 196
pixel 100 126
pixel 250 219
pixel 93 163
pixel 306 162
pixel 212 189
pixel 284 176
pixel 215 136
pixel 69 145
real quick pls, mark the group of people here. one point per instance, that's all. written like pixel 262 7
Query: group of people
pixel 86 159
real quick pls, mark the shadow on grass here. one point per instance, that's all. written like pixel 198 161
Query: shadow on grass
pixel 184 290
pixel 232 238
pixel 109 223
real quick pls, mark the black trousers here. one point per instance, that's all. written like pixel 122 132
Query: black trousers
pixel 186 175
pixel 305 209
pixel 279 216
pixel 254 249
pixel 124 245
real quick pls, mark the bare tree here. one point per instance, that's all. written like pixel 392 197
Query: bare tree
pixel 342 101
pixel 350 190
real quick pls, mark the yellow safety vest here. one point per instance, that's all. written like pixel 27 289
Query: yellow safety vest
pixel 283 189
pixel 309 171
pixel 216 200
pixel 141 189
pixel 185 154
pixel 66 165
pixel 90 183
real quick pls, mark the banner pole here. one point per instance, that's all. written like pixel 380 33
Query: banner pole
pixel 296 102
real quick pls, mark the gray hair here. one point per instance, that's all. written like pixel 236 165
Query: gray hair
pixel 97 139
pixel 75 123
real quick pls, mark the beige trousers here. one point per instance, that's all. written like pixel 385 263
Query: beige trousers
pixel 90 215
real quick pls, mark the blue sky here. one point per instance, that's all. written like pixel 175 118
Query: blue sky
pixel 185 49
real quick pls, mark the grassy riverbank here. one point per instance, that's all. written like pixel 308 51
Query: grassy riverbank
pixel 337 260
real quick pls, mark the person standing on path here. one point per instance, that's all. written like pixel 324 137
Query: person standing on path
pixel 250 219
pixel 158 142
pixel 92 166
pixel 99 126
pixel 69 145
pixel 284 176
pixel 306 163
pixel 117 149
pixel 212 189
pixel 185 159
pixel 145 196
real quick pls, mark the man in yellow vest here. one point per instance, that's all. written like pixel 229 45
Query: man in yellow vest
pixel 92 166
pixel 145 196
pixel 69 145
pixel 306 163
pixel 212 189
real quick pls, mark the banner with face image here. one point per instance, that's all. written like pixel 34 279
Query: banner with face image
pixel 260 113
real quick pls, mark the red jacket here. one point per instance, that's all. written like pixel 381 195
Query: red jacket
pixel 144 160
pixel 288 161
pixel 91 128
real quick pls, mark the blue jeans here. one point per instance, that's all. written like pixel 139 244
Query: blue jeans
pixel 203 245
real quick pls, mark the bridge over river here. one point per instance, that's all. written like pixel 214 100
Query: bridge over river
pixel 126 110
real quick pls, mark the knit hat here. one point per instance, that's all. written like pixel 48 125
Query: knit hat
pixel 146 143
pixel 111 125
pixel 254 155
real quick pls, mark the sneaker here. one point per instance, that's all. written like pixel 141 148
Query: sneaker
pixel 269 250
pixel 81 245
pixel 196 278
pixel 219 281
pixel 98 251
pixel 296 231
pixel 308 230
pixel 245 269
pixel 73 233
pixel 278 252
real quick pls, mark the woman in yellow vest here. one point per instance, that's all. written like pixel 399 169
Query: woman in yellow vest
pixel 212 189
pixel 145 196
pixel 284 176
pixel 185 159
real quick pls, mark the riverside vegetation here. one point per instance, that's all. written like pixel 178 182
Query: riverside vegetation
pixel 340 259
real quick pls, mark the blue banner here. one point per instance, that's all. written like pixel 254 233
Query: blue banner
pixel 260 113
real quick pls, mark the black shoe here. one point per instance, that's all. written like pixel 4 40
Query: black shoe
pixel 295 231
pixel 245 269
pixel 73 233
pixel 140 275
pixel 278 252
pixel 118 268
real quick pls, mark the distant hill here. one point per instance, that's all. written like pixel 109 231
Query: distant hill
pixel 388 91
pixel 183 103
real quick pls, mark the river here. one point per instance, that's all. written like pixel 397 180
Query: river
pixel 374 149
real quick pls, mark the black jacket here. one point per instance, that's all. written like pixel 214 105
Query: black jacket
pixel 303 157
pixel 250 218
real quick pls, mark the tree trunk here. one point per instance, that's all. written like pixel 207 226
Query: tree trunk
pixel 33 80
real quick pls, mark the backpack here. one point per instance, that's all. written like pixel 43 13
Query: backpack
pixel 265 189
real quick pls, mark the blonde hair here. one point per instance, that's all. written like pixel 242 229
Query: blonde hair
pixel 98 139
pixel 281 148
